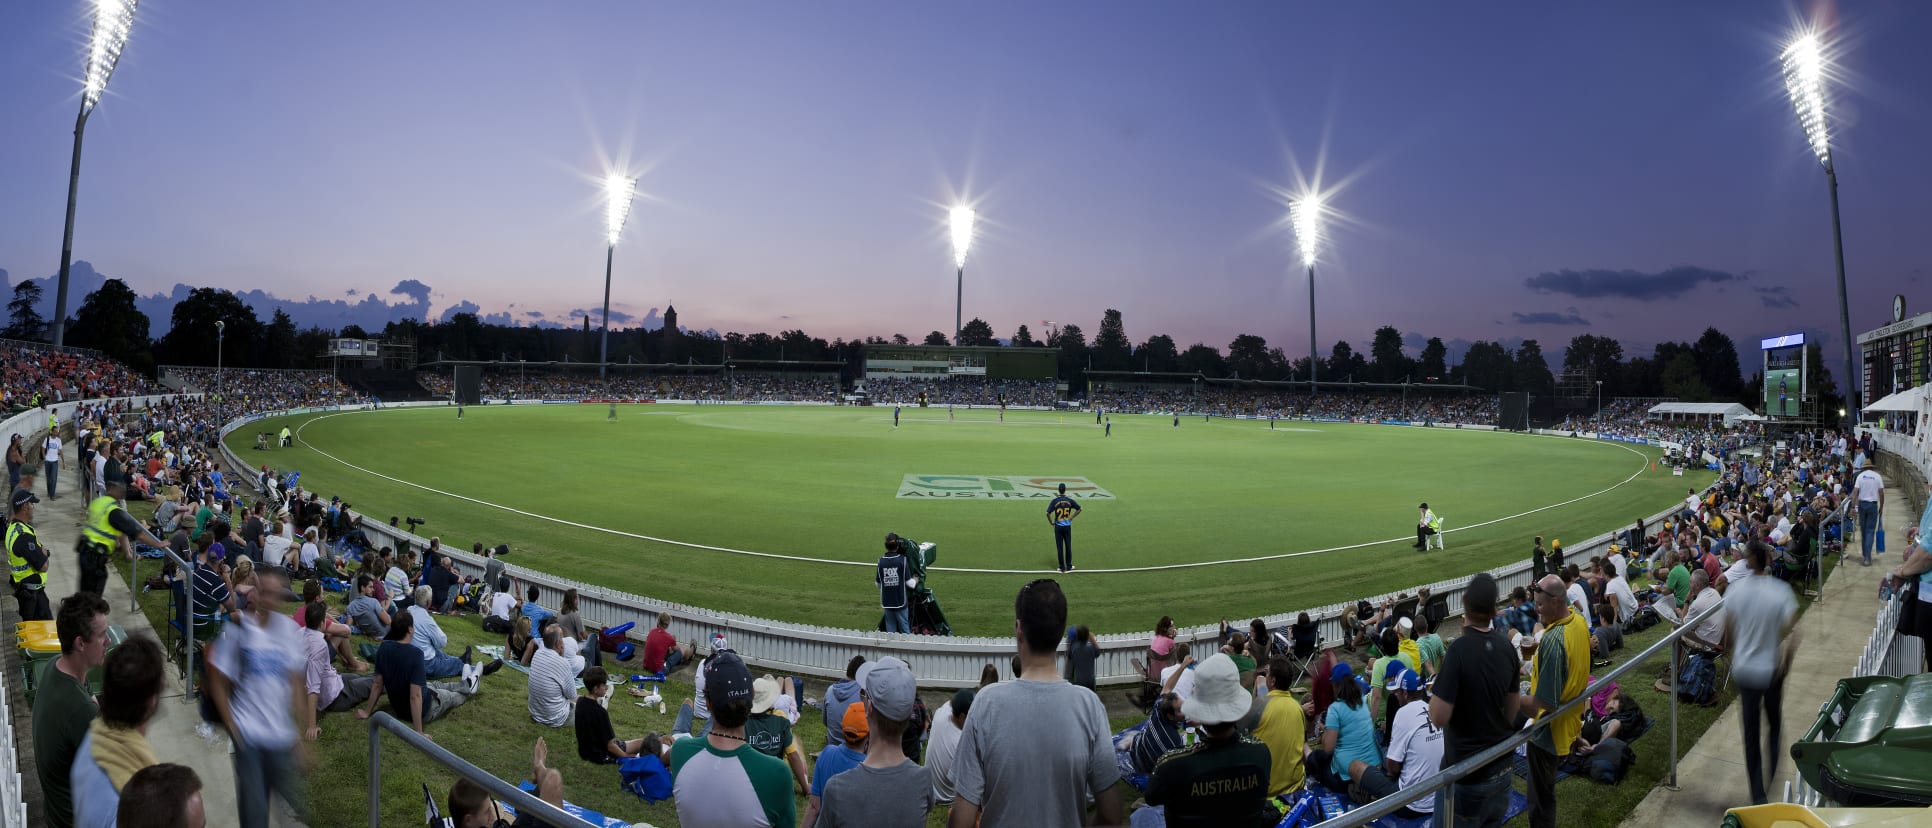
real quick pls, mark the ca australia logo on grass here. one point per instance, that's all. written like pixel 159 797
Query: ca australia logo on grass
pixel 997 487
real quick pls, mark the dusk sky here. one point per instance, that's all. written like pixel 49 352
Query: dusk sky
pixel 1503 170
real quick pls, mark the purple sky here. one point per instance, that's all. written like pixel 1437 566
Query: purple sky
pixel 797 159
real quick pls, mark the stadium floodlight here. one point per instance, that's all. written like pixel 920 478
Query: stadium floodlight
pixel 1305 218
pixel 113 20
pixel 1805 66
pixel 961 218
pixel 619 191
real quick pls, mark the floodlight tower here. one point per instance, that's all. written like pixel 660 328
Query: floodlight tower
pixel 1804 78
pixel 618 193
pixel 113 19
pixel 1305 217
pixel 962 222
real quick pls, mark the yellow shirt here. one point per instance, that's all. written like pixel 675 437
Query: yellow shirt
pixel 1411 654
pixel 1282 730
pixel 1562 672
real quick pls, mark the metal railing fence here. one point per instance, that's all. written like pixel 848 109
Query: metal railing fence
pixel 523 802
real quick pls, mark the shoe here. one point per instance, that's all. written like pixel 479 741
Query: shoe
pixel 1072 568
pixel 467 653
pixel 1600 663
pixel 492 667
pixel 471 674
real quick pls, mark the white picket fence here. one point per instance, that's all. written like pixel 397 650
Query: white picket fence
pixel 948 662
pixel 13 795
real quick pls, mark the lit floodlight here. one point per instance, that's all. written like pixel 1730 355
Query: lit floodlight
pixel 1305 216
pixel 112 21
pixel 962 222
pixel 1804 78
pixel 618 190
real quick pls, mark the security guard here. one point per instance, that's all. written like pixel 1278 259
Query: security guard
pixel 27 560
pixel 106 531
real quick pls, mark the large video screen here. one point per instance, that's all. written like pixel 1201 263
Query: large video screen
pixel 1783 392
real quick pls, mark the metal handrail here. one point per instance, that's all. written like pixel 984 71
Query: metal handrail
pixel 517 798
pixel 188 595
pixel 1501 750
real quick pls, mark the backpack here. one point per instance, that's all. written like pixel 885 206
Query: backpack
pixel 1698 685
pixel 1610 761
pixel 1644 618
pixel 645 776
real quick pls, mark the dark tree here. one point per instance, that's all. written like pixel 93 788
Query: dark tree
pixel 191 336
pixel 1433 365
pixel 1387 363
pixel 1248 358
pixel 23 319
pixel 1203 359
pixel 977 332
pixel 279 349
pixel 1683 381
pixel 1717 365
pixel 1487 366
pixel 936 338
pixel 109 322
pixel 1156 354
pixel 1531 371
pixel 1073 354
pixel 1111 348
pixel 1023 338
pixel 1344 365
pixel 350 332
pixel 900 339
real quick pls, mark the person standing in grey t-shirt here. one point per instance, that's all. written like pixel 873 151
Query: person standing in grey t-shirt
pixel 1035 749
pixel 1759 635
pixel 888 790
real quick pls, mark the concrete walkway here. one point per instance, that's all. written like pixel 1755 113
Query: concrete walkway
pixel 1711 776
pixel 172 731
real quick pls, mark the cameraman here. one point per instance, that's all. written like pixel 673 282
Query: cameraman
pixel 893 572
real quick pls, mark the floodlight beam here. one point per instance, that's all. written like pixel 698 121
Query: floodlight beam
pixel 1804 65
pixel 113 20
pixel 619 191
pixel 961 219
pixel 1304 217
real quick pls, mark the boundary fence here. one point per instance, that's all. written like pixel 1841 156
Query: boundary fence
pixel 822 652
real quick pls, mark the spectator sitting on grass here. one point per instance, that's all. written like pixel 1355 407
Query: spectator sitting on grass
pixel 840 758
pixel 400 671
pixel 335 633
pixel 770 733
pixel 499 610
pixel 944 740
pixel 366 614
pixel 662 652
pixel 553 682
pixel 1221 780
pixel 596 740
pixel 430 640
pixel 1415 750
pixel 712 773
pixel 840 695
pixel 328 690
pixel 531 610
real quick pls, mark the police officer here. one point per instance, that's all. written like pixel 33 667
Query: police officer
pixel 1060 512
pixel 106 531
pixel 27 560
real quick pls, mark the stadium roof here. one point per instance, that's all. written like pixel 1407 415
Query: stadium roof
pixel 1183 376
pixel 1907 401
pixel 1729 411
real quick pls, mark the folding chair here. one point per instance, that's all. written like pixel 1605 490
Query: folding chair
pixel 207 627
pixel 1435 539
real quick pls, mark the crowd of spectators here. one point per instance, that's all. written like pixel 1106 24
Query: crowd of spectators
pixel 1231 401
pixel 733 387
pixel 249 390
pixel 32 374
pixel 962 390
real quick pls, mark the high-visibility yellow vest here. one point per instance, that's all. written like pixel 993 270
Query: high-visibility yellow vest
pixel 99 530
pixel 21 569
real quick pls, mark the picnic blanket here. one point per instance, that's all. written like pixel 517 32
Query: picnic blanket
pixel 496 651
pixel 580 812
pixel 1316 804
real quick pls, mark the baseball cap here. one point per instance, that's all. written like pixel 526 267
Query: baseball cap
pixel 890 689
pixel 1342 672
pixel 1402 678
pixel 718 642
pixel 764 693
pixel 853 723
pixel 726 679
pixel 22 497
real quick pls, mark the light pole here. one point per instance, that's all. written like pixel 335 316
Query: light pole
pixel 1599 400
pixel 220 329
pixel 1804 78
pixel 962 223
pixel 618 192
pixel 1305 216
pixel 112 21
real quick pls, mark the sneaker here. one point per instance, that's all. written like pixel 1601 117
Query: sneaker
pixel 472 676
pixel 492 667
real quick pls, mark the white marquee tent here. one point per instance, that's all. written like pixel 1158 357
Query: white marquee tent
pixel 1729 412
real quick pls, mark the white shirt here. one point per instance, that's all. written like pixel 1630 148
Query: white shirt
pixel 553 688
pixel 260 657
pixel 1417 744
pixel 1712 630
pixel 50 450
pixel 941 742
pixel 502 604
pixel 1183 686
pixel 1762 608
pixel 1580 600
pixel 1691 502
pixel 1619 591
pixel 309 553
pixel 428 637
pixel 1868 485
pixel 1737 572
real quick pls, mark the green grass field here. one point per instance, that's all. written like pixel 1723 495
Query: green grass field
pixel 822 483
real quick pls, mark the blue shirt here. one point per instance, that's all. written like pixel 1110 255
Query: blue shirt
pixel 96 801
pixel 831 762
pixel 1062 509
pixel 893 572
pixel 1355 737
pixel 537 615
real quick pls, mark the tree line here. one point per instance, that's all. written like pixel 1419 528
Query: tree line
pixel 1706 369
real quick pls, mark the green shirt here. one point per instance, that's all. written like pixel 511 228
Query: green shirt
pixel 769 734
pixel 1678 582
pixel 63 711
pixel 711 782
pixel 1432 649
pixel 1242 663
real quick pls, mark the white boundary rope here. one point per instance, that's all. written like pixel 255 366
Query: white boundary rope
pixel 804 559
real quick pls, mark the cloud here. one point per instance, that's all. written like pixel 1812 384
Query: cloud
pixel 416 291
pixel 352 292
pixel 534 314
pixel 1549 318
pixel 460 307
pixel 1628 284
pixel 1777 296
